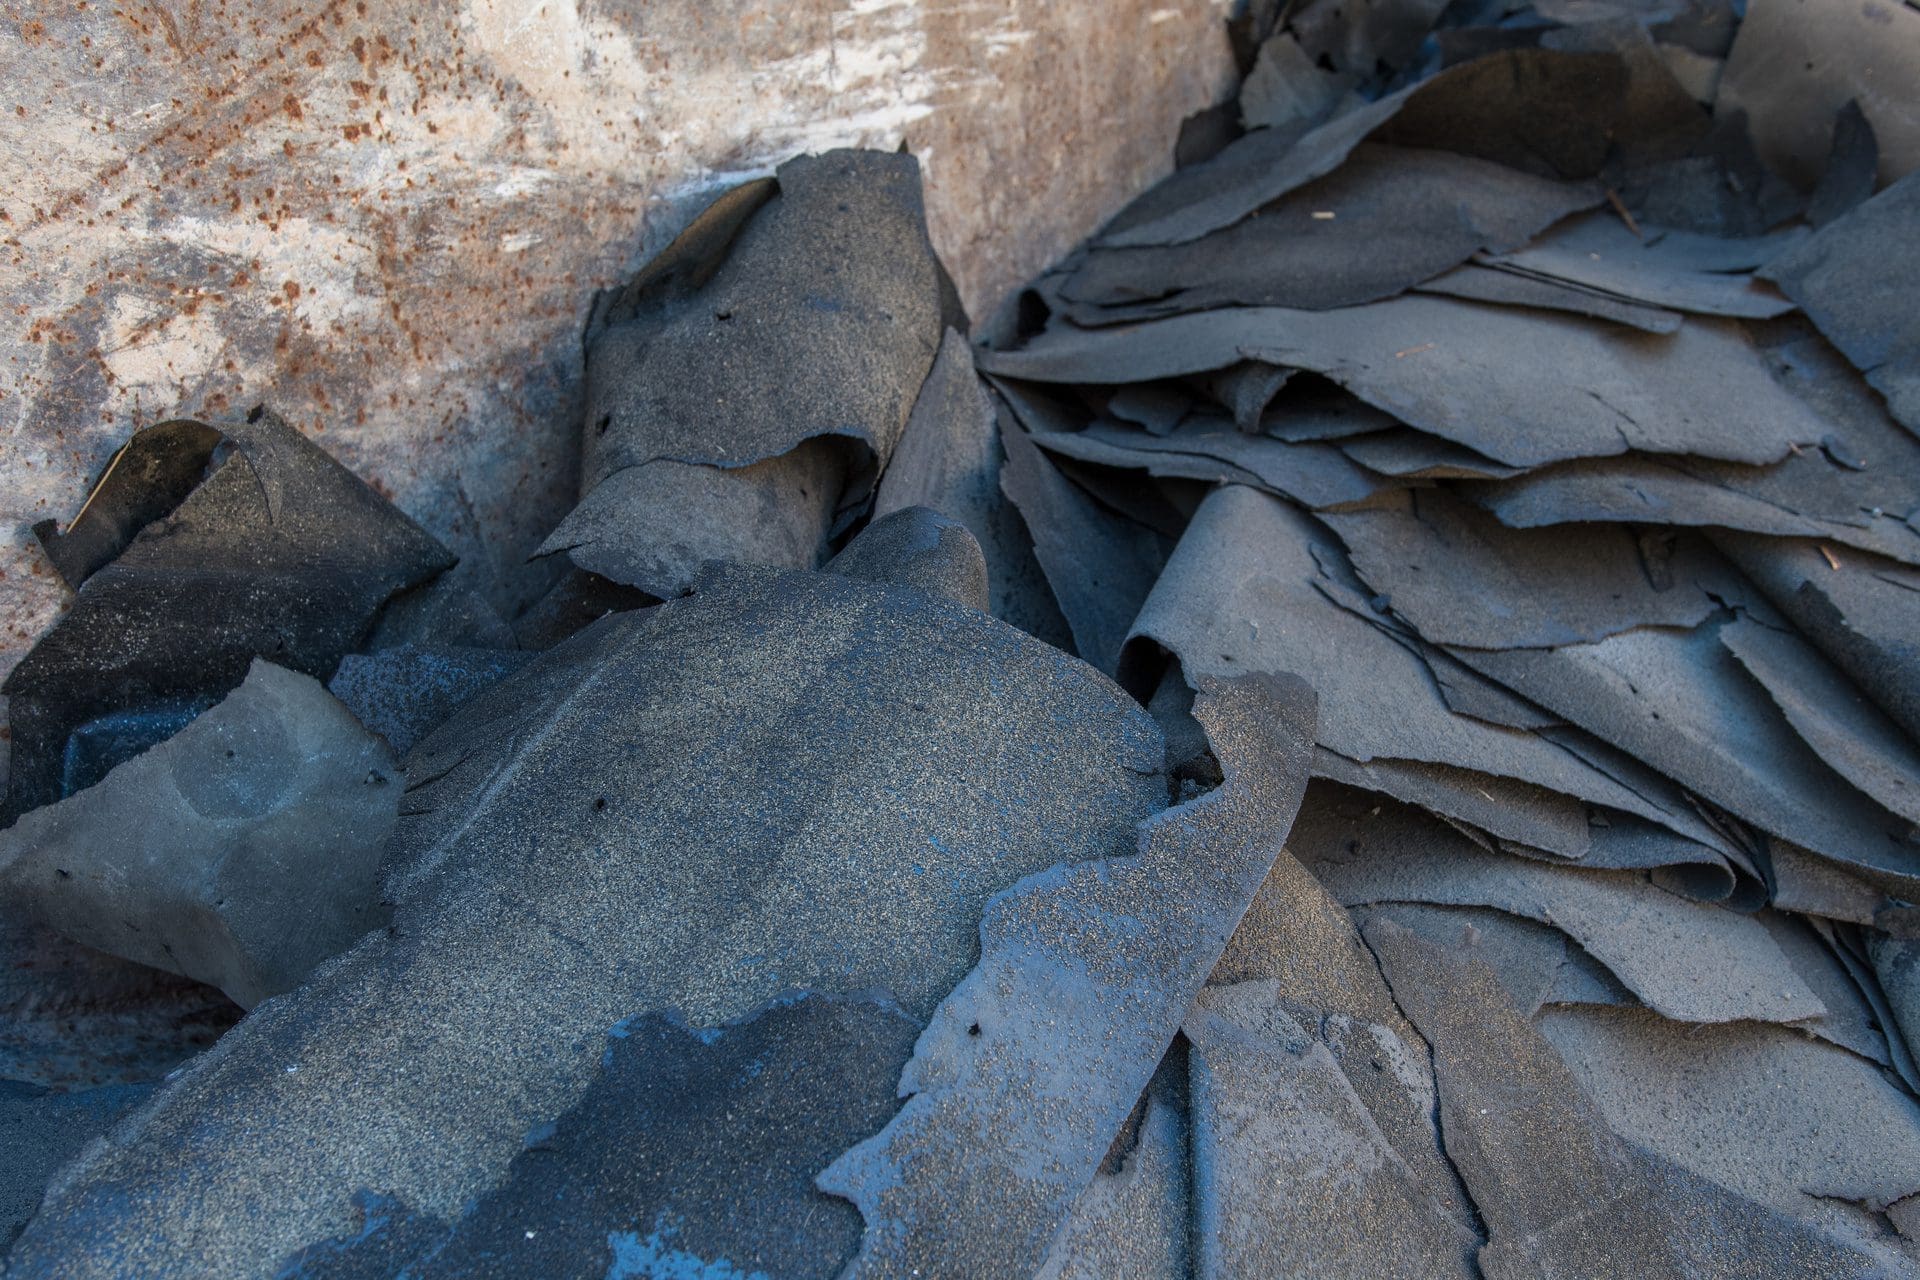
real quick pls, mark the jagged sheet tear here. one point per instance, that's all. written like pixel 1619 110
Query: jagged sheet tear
pixel 1030 1066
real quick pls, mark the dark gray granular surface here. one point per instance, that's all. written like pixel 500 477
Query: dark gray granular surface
pixel 1366 724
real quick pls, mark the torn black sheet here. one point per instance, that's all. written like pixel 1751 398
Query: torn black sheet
pixel 1852 165
pixel 1048 1042
pixel 1131 1222
pixel 1896 963
pixel 1471 694
pixel 1292 1172
pixel 1657 118
pixel 242 852
pixel 1406 454
pixel 1793 66
pixel 1856 278
pixel 920 548
pixel 1807 884
pixel 1368 39
pixel 1537 110
pixel 407 692
pixel 1309 407
pixel 1297 958
pixel 1461 578
pixel 1240 594
pixel 651 525
pixel 1287 90
pixel 806 307
pixel 1246 389
pixel 1522 388
pixel 570 605
pixel 276 551
pixel 1562 1196
pixel 441 613
pixel 1665 830
pixel 1514 818
pixel 1474 282
pixel 1387 219
pixel 1158 407
pixel 1857 484
pixel 1547 822
pixel 1538 964
pixel 1100 564
pixel 692 807
pixel 1311 472
pixel 1831 716
pixel 1108 450
pixel 1862 612
pixel 1691 961
pixel 1656 268
pixel 1681 702
pixel 1793 1123
pixel 1807 496
pixel 1302 947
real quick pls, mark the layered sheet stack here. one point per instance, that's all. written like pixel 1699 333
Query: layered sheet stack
pixel 1367 726
pixel 1495 386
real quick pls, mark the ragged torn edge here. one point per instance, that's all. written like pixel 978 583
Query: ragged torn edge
pixel 158 468
pixel 1012 1052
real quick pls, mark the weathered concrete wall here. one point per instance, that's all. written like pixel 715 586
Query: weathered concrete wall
pixel 387 217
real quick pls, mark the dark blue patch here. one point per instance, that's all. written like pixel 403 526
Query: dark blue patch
pixel 105 742
pixel 708 1136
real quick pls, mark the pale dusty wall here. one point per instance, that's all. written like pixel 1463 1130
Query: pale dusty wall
pixel 387 218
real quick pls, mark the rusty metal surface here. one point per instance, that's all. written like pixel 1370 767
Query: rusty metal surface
pixel 387 218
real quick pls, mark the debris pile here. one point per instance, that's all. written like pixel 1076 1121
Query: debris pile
pixel 1368 725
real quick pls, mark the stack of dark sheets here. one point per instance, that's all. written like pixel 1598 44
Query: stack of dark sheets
pixel 1368 725
pixel 1573 457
